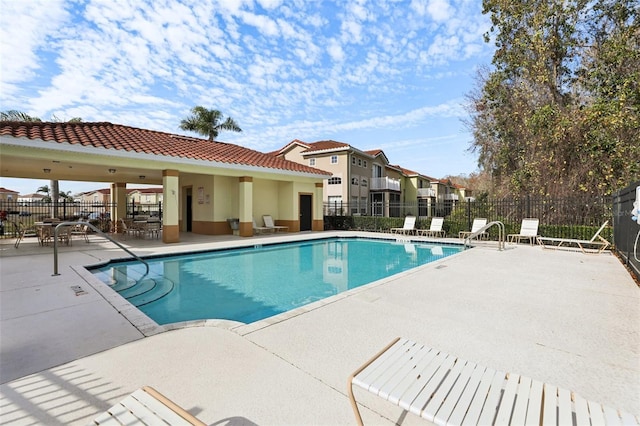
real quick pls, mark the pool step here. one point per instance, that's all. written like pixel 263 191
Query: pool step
pixel 148 290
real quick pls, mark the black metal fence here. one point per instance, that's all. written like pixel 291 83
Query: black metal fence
pixel 27 213
pixel 576 217
pixel 626 229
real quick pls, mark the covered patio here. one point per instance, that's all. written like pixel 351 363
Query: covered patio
pixel 204 183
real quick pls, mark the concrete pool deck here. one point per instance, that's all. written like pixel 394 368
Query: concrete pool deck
pixel 66 354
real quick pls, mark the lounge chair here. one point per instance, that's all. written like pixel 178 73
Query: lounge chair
pixel 595 245
pixel 475 227
pixel 444 389
pixel 409 226
pixel 260 229
pixel 146 406
pixel 528 231
pixel 268 222
pixel 435 228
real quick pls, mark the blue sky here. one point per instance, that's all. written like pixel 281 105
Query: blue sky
pixel 386 74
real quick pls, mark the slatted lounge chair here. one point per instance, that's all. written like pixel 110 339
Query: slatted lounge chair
pixel 146 406
pixel 446 390
pixel 528 231
pixel 260 229
pixel 435 228
pixel 478 223
pixel 409 226
pixel 595 245
pixel 268 222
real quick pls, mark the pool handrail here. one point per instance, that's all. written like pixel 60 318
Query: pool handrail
pixel 501 234
pixel 55 244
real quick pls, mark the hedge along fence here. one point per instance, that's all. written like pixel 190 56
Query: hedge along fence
pixel 576 217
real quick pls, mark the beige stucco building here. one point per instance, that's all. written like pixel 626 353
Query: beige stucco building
pixel 364 182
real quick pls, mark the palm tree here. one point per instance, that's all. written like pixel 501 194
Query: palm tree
pixel 208 122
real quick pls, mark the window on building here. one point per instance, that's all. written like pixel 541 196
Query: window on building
pixel 353 160
pixel 312 161
pixel 335 181
pixel 334 159
pixel 364 163
pixel 360 162
pixel 354 181
pixel 364 182
pixel 377 171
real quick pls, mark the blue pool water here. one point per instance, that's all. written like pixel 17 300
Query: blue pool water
pixel 254 283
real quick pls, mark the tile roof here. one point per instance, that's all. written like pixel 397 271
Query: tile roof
pixel 132 139
pixel 5 190
pixel 324 145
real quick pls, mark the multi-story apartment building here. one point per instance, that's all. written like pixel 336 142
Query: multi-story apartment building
pixel 358 178
pixel 363 182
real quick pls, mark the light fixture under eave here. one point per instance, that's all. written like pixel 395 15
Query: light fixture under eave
pixel 112 171
pixel 46 170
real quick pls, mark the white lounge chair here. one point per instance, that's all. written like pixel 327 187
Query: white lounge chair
pixel 446 390
pixel 528 231
pixel 146 406
pixel 268 222
pixel 595 245
pixel 478 223
pixel 409 226
pixel 435 228
pixel 260 229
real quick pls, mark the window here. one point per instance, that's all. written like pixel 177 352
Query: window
pixel 335 181
pixel 312 161
pixel 377 171
pixel 354 181
pixel 360 162
pixel 364 163
pixel 363 182
pixel 353 160
pixel 334 159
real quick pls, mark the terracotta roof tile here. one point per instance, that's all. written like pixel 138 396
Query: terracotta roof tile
pixel 323 145
pixel 132 139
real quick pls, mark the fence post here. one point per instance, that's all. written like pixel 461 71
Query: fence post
pixel 469 215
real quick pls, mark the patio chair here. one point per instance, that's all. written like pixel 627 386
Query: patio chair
pixel 261 229
pixel 268 222
pixel 478 223
pixel 409 226
pixel 435 228
pixel 82 231
pixel 146 406
pixel 445 390
pixel 528 231
pixel 596 244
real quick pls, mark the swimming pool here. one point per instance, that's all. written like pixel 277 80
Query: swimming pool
pixel 254 283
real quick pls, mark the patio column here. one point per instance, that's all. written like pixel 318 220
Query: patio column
pixel 245 198
pixel 170 206
pixel 118 209
pixel 318 211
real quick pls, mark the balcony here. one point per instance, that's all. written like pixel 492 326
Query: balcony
pixel 384 184
pixel 453 197
pixel 426 192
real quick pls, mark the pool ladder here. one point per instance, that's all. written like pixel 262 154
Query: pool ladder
pixel 501 234
pixel 55 244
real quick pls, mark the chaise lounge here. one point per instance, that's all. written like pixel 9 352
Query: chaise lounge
pixel 528 231
pixel 409 226
pixel 146 406
pixel 268 223
pixel 596 244
pixel 435 228
pixel 446 390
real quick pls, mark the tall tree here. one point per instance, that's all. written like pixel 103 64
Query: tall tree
pixel 558 113
pixel 208 122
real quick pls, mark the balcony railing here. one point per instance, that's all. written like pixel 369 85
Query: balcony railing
pixel 451 197
pixel 426 192
pixel 384 183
